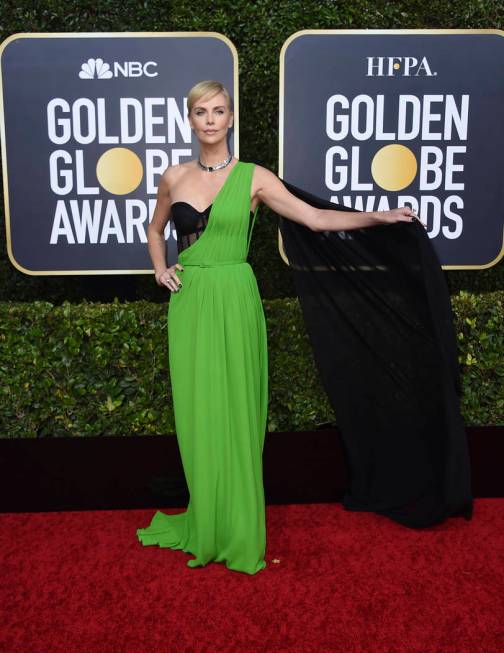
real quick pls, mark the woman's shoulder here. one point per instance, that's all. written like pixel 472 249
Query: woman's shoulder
pixel 175 172
pixel 263 175
pixel 262 170
pixel 179 168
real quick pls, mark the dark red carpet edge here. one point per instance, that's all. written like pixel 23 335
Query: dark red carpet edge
pixel 349 582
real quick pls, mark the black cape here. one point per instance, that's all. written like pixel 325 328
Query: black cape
pixel 377 311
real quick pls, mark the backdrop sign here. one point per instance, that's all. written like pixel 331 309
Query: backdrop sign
pixel 89 123
pixel 375 119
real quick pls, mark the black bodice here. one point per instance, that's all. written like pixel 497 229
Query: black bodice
pixel 190 223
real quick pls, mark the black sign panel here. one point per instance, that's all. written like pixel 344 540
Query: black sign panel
pixel 89 124
pixel 376 119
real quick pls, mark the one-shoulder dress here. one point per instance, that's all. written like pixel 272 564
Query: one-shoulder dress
pixel 218 364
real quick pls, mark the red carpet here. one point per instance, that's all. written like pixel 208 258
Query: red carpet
pixel 349 582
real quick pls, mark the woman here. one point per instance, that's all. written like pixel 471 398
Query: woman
pixel 217 333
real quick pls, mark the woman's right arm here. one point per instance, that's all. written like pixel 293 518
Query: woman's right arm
pixel 155 235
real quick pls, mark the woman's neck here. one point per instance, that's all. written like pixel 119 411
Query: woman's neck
pixel 210 156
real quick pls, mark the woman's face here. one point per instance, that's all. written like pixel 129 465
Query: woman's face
pixel 210 119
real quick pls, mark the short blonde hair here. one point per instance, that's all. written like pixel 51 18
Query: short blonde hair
pixel 207 87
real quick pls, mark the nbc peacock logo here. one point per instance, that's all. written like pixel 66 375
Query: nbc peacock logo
pixel 95 69
pixel 99 69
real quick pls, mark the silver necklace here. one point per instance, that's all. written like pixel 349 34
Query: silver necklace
pixel 217 166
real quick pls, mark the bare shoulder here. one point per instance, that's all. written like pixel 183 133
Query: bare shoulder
pixel 263 175
pixel 174 173
pixel 259 178
pixel 262 180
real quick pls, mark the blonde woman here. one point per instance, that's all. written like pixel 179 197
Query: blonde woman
pixel 217 336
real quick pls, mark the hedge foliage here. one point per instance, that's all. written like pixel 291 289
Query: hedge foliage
pixel 102 369
pixel 76 367
pixel 258 30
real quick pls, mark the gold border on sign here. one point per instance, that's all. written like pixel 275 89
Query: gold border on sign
pixel 94 35
pixel 302 32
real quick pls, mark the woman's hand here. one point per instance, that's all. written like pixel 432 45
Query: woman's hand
pixel 168 277
pixel 401 214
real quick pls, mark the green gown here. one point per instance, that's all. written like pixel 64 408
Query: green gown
pixel 218 363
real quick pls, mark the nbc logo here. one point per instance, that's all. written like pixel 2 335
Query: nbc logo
pixel 99 69
pixel 95 68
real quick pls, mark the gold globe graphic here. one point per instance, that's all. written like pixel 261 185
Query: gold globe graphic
pixel 394 167
pixel 119 171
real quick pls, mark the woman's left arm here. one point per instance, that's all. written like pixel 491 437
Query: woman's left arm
pixel 271 191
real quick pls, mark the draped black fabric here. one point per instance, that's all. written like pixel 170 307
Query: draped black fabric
pixel 378 313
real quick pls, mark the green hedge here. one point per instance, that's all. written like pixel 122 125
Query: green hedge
pixel 80 368
pixel 102 369
pixel 258 30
